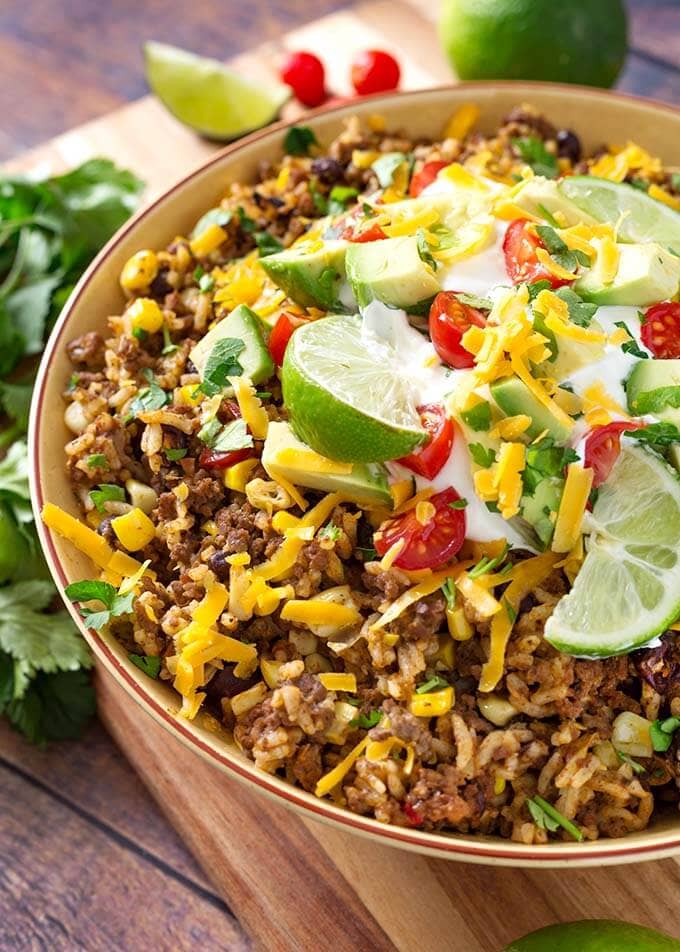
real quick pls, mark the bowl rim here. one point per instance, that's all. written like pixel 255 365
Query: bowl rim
pixel 467 848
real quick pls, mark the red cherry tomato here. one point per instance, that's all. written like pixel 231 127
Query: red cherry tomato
pixel 213 459
pixel 425 177
pixel 374 233
pixel 412 815
pixel 449 319
pixel 426 546
pixel 304 73
pixel 603 445
pixel 521 262
pixel 280 335
pixel 374 71
pixel 661 330
pixel 428 459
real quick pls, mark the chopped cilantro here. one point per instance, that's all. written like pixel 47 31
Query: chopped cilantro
pixel 509 611
pixel 536 288
pixel 209 431
pixel 659 434
pixel 340 197
pixel 263 394
pixel 222 363
pixel 559 251
pixel 482 455
pixel 639 183
pixel 368 210
pixel 206 283
pixel 535 154
pixel 168 346
pixel 299 140
pixel 107 492
pixel 482 304
pixel 175 454
pixel 458 504
pixel 547 817
pixel 267 244
pixel 97 461
pixel 214 216
pixel 662 732
pixel 73 382
pixel 367 721
pixel 319 199
pixel 140 334
pixel 548 215
pixel 478 417
pixel 424 252
pixel 225 439
pixel 386 166
pixel 330 531
pixel 93 590
pixel 247 224
pixel 492 506
pixel 626 759
pixel 544 459
pixel 149 664
pixel 580 312
pixel 149 398
pixel 434 684
pixel 449 590
pixel 631 346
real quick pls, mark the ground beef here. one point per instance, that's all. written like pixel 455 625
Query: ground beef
pixel 306 767
pixel 87 351
pixel 443 797
pixel 238 525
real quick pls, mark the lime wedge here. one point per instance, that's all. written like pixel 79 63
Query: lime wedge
pixel 345 399
pixel 206 96
pixel 639 217
pixel 628 589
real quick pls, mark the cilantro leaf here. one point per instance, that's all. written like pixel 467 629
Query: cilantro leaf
pixel 299 140
pixel 656 434
pixel 434 684
pixel 149 664
pixel 206 283
pixel 107 492
pixel 482 455
pixel 559 251
pixel 627 759
pixel 54 707
pixel 15 401
pixel 149 398
pixel 535 154
pixel 175 454
pixel 267 244
pixel 224 439
pixel 536 288
pixel 330 531
pixel 458 504
pixel 386 166
pixel 478 417
pixel 97 461
pixel 544 459
pixel 631 346
pixel 367 721
pixel 339 198
pixel 93 590
pixel 580 312
pixel 424 252
pixel 662 732
pixel 168 346
pixel 214 216
pixel 547 817
pixel 222 362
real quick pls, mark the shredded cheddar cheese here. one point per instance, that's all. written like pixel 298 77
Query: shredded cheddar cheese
pixel 572 507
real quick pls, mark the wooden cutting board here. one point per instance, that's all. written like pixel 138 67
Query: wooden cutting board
pixel 294 883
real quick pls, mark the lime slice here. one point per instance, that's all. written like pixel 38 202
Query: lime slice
pixel 628 589
pixel 639 217
pixel 208 97
pixel 595 935
pixel 345 399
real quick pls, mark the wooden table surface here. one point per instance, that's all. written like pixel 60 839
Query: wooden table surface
pixel 87 859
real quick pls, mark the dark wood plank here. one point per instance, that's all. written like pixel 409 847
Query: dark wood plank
pixel 66 885
pixel 93 776
pixel 655 29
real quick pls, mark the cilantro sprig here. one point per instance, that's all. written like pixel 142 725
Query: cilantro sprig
pixel 548 818
pixel 662 732
pixel 222 362
pixel 93 590
pixel 299 140
pixel 565 257
pixel 151 397
pixel 535 154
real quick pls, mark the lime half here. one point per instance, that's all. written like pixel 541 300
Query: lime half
pixel 595 935
pixel 639 217
pixel 345 399
pixel 628 589
pixel 206 96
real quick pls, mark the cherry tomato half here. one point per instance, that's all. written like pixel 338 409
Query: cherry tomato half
pixel 374 71
pixel 428 459
pixel 213 459
pixel 521 262
pixel 304 73
pixel 281 333
pixel 425 177
pixel 427 546
pixel 374 233
pixel 661 330
pixel 603 445
pixel 449 319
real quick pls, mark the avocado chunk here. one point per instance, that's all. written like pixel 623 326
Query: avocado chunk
pixel 674 455
pixel 390 270
pixel 242 324
pixel 514 397
pixel 539 195
pixel 567 355
pixel 537 508
pixel 654 387
pixel 311 273
pixel 289 458
pixel 646 274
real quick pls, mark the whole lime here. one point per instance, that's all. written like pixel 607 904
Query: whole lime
pixel 595 935
pixel 568 41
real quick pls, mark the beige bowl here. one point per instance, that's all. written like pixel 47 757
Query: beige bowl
pixel 597 117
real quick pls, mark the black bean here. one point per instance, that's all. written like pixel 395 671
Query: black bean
pixel 105 529
pixel 328 170
pixel 159 286
pixel 219 565
pixel 568 145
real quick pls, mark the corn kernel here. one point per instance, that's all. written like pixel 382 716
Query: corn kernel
pixel 189 395
pixel 391 639
pixel 238 475
pixel 139 271
pixel 364 158
pixel 459 627
pixel 209 240
pixel 134 530
pixel 209 527
pixel 499 785
pixel 433 704
pixel 144 314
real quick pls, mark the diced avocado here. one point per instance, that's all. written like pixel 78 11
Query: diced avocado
pixel 674 455
pixel 244 325
pixel 514 397
pixel 536 509
pixel 654 387
pixel 568 355
pixel 392 271
pixel 646 274
pixel 538 195
pixel 286 456
pixel 311 273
